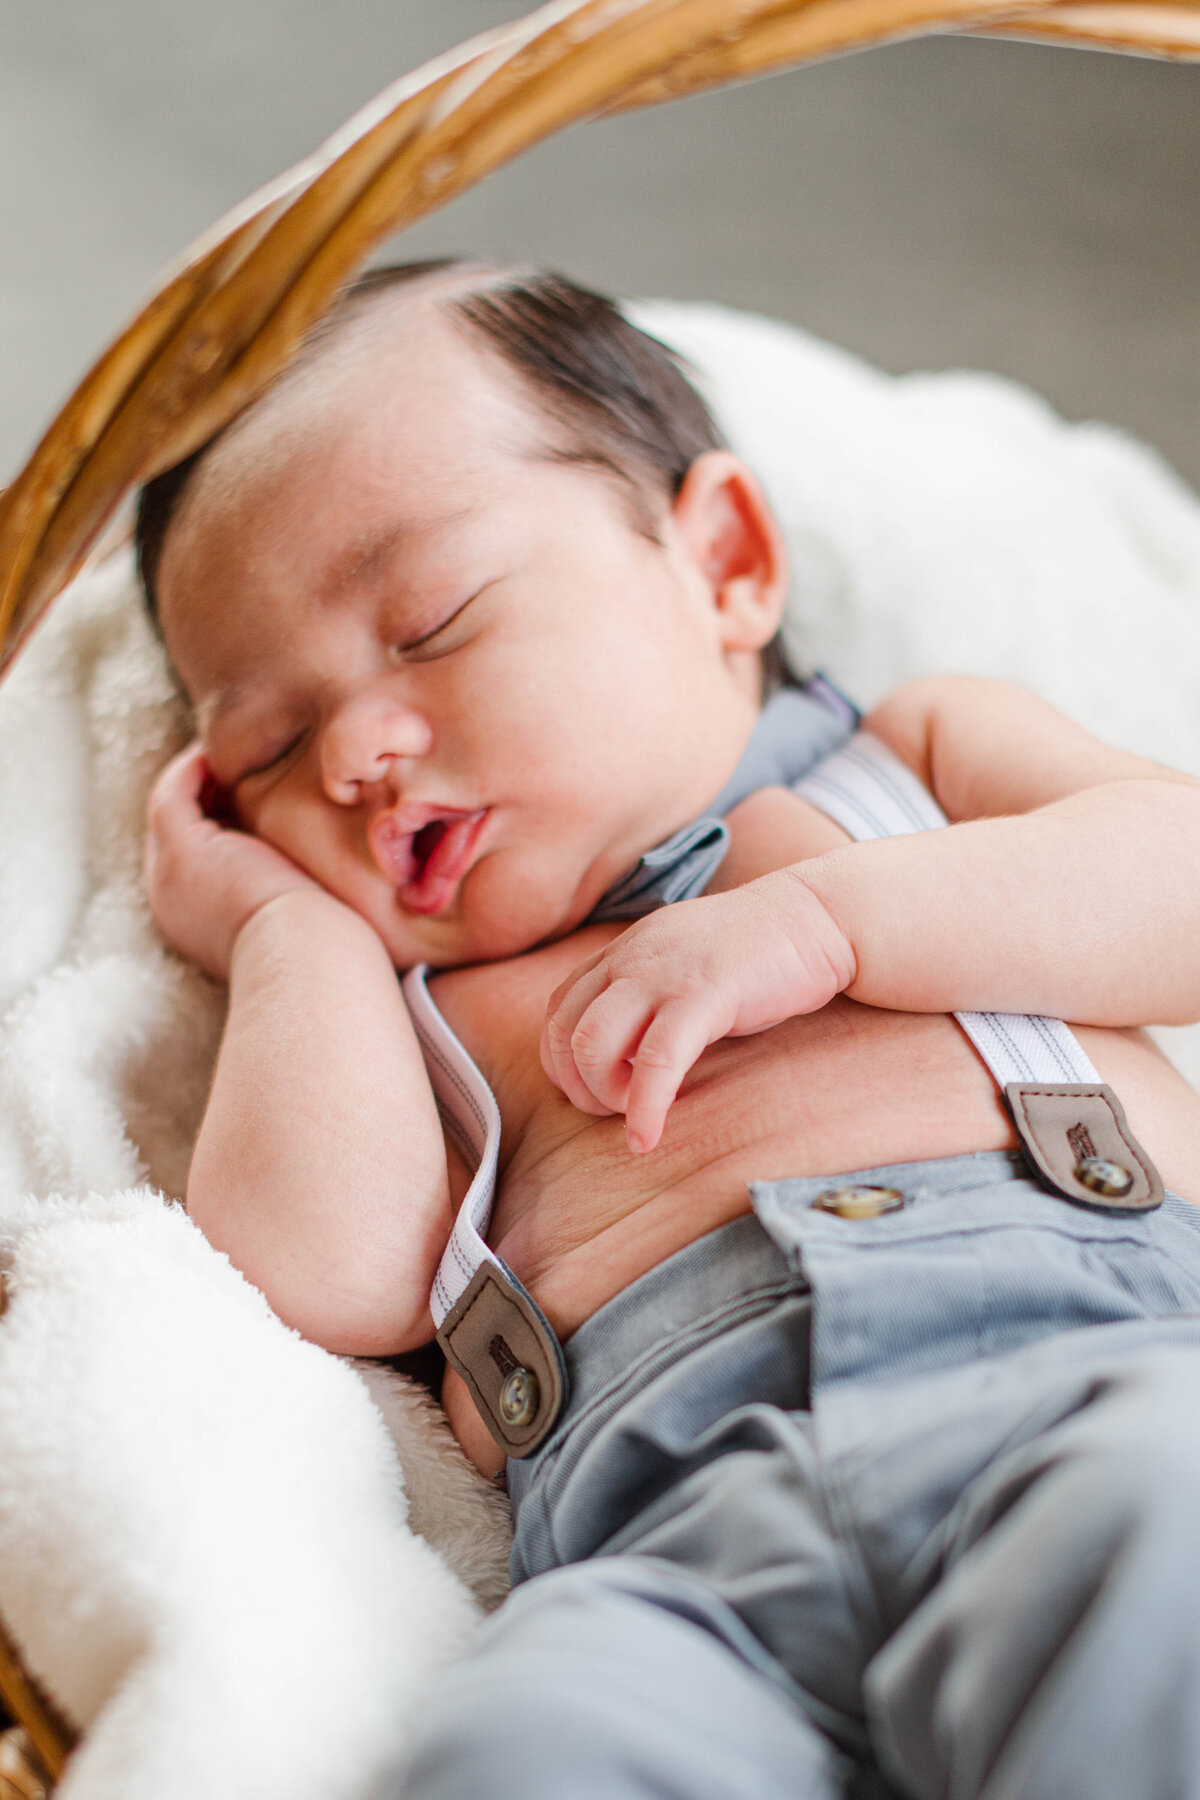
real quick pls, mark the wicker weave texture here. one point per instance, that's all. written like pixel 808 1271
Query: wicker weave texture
pixel 226 320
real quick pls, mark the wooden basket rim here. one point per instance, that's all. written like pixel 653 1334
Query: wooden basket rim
pixel 225 319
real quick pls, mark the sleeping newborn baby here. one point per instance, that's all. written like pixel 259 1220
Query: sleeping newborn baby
pixel 874 1444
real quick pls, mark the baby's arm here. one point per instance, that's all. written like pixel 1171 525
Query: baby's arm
pixel 1068 885
pixel 320 1166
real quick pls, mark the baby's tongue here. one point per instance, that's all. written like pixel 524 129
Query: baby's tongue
pixel 441 852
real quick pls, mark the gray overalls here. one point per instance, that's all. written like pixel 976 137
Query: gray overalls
pixel 902 1503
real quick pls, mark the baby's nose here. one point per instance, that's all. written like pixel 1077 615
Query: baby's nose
pixel 364 740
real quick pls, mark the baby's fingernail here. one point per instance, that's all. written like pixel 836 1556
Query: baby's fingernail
pixel 637 1142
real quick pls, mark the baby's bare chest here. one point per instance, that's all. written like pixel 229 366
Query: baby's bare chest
pixel 578 1216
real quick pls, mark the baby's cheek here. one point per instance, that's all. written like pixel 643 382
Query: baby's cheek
pixel 247 810
pixel 516 898
pixel 304 833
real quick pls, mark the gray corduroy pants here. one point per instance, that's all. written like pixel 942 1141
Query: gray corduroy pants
pixel 900 1506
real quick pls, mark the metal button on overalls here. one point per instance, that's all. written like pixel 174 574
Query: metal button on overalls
pixel 859 1202
pixel 1103 1176
pixel 519 1397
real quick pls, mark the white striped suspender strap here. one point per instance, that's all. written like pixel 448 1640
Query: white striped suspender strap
pixel 1071 1125
pixel 493 1333
pixel 472 1121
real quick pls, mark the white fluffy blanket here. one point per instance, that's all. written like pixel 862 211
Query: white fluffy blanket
pixel 237 1561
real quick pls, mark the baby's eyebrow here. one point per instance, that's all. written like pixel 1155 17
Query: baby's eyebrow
pixel 355 567
pixel 370 554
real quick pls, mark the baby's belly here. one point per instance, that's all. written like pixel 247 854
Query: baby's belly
pixel 578 1217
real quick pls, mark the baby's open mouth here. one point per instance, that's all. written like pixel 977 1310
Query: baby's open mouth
pixel 425 852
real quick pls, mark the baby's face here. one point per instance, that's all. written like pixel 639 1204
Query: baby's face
pixel 444 674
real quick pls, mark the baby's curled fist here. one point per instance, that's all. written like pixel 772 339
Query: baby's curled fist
pixel 204 880
pixel 625 1027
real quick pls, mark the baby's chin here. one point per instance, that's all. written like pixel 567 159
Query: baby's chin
pixel 508 903
pixel 499 913
pixel 466 943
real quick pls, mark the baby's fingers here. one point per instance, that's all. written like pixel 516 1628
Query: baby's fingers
pixel 568 1003
pixel 175 799
pixel 676 1037
pixel 606 1039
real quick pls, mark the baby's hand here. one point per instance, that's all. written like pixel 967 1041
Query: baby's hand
pixel 626 1026
pixel 203 879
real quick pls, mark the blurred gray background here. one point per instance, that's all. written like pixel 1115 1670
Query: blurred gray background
pixel 947 202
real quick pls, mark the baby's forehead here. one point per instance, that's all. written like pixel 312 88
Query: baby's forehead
pixel 396 463
pixel 425 404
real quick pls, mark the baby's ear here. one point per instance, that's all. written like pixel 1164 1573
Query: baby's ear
pixel 728 533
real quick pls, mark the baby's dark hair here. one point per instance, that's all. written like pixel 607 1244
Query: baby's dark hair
pixel 620 399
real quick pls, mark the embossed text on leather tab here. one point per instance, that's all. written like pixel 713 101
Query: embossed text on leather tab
pixel 1077 1139
pixel 500 1344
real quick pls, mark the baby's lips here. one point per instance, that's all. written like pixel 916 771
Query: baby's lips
pixel 436 876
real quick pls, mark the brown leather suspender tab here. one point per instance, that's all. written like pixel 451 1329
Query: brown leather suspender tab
pixel 498 1340
pixel 1077 1140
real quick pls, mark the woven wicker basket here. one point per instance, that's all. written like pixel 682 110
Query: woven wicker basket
pixel 227 318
